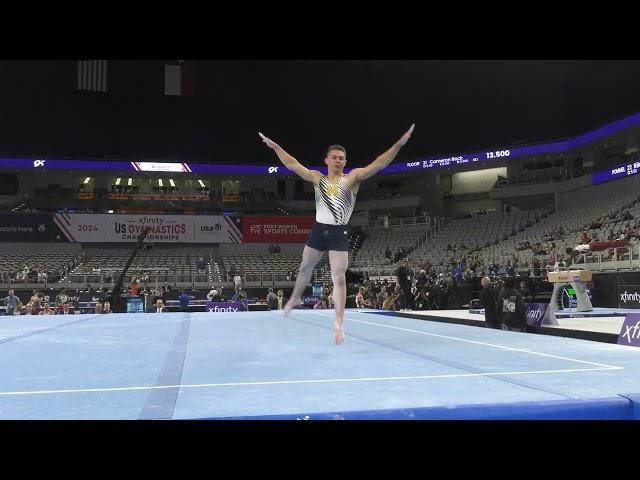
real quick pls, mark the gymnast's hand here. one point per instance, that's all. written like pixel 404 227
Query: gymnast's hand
pixel 270 143
pixel 405 138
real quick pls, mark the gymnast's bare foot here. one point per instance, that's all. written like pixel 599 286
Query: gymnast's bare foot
pixel 339 333
pixel 290 305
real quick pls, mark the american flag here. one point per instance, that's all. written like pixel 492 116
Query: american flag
pixel 92 75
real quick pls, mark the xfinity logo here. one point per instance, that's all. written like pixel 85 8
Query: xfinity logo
pixel 223 309
pixel 273 169
pixel 629 334
pixel 624 297
pixel 535 314
pixel 38 163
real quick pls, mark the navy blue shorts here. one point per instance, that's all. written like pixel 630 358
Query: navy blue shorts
pixel 329 237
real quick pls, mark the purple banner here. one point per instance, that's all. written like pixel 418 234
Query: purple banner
pixel 535 313
pixel 220 307
pixel 630 333
pixel 621 171
pixel 310 300
pixel 481 157
pixel 29 227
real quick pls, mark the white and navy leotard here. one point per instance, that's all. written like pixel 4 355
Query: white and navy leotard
pixel 334 202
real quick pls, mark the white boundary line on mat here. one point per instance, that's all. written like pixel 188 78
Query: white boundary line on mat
pixel 611 367
pixel 294 382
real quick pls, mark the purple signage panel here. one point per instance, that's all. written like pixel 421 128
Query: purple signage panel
pixel 278 169
pixel 615 173
pixel 310 300
pixel 630 333
pixel 30 227
pixel 535 313
pixel 222 307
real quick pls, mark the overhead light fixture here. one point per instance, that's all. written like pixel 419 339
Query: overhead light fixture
pixel 160 182
pixel 130 182
pixel 201 183
pixel 87 180
pixel 171 182
pixel 118 181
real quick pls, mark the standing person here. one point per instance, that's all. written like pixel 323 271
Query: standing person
pixel 272 300
pixel 489 299
pixel 281 301
pixel 11 302
pixel 335 199
pixel 184 302
pixel 403 279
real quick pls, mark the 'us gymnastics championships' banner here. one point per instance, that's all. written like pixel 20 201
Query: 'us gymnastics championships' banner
pixel 276 229
pixel 163 228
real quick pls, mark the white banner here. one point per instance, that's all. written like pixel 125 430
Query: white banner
pixel 163 228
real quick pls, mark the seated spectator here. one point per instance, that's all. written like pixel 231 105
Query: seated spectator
pixel 158 307
pixel 64 309
pixel 382 296
pixel 201 265
pixel 322 303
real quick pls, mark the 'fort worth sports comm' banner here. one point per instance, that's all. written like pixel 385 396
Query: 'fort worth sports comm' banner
pixel 163 228
pixel 276 229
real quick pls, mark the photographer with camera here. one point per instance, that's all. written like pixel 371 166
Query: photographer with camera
pixel 240 297
pixel 511 308
pixel 422 296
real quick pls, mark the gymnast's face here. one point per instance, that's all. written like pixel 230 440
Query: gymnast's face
pixel 336 160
